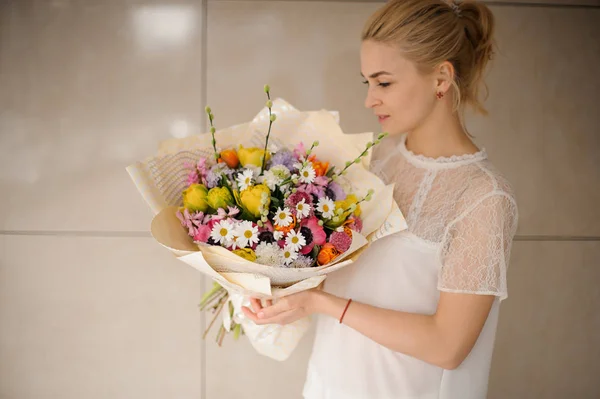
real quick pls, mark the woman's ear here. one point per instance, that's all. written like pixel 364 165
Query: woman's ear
pixel 444 76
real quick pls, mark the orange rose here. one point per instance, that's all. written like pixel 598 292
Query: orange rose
pixel 230 158
pixel 319 167
pixel 327 254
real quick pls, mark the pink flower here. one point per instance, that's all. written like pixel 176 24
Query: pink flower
pixel 341 241
pixel 319 191
pixel 300 150
pixel 296 197
pixel 202 233
pixel 322 180
pixel 313 234
pixel 356 224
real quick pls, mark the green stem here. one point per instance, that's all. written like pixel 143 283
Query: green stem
pixel 264 162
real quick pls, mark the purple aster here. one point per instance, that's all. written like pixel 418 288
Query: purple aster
pixel 335 192
pixel 285 158
pixel 213 176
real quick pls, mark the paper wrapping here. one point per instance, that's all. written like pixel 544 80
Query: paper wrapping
pixel 161 179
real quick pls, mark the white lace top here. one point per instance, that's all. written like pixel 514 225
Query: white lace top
pixel 462 217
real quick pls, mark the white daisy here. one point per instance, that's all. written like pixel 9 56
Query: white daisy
pixel 308 174
pixel 244 180
pixel 222 232
pixel 289 255
pixel 278 235
pixel 247 234
pixel 295 240
pixel 327 207
pixel 283 217
pixel 302 209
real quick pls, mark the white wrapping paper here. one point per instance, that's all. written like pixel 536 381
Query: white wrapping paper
pixel 162 177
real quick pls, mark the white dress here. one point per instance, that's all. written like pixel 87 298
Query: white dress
pixel 461 216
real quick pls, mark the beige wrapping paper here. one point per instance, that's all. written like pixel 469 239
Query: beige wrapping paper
pixel 162 177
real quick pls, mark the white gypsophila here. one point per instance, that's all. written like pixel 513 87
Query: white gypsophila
pixel 327 207
pixel 269 254
pixel 270 180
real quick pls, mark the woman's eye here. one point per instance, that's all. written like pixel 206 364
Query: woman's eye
pixel 365 82
pixel 384 84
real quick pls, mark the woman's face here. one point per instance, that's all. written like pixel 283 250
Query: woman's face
pixel 398 93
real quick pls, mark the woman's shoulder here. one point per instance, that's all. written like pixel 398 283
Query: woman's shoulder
pixel 483 185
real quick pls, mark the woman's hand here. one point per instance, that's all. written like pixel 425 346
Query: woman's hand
pixel 285 310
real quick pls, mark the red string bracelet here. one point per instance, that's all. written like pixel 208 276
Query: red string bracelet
pixel 345 309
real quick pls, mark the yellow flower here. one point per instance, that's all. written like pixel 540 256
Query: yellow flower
pixel 246 253
pixel 220 197
pixel 194 198
pixel 251 199
pixel 251 156
pixel 344 205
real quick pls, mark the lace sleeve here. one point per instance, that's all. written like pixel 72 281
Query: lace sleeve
pixel 476 248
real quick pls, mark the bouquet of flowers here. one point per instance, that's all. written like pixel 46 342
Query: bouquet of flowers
pixel 266 215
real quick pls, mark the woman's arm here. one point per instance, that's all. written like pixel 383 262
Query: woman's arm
pixel 443 339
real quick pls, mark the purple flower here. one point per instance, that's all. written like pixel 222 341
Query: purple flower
pixel 285 158
pixel 213 176
pixel 335 192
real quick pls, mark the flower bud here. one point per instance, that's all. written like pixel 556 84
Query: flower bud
pixel 269 104
pixel 267 89
pixel 273 118
pixel 208 110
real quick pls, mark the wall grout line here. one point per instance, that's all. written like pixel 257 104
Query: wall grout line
pixel 490 3
pixel 203 122
pixel 146 234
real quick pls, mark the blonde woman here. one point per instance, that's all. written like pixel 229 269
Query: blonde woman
pixel 416 316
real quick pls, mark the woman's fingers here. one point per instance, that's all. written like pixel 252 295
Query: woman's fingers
pixel 256 305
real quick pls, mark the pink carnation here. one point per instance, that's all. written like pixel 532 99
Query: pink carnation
pixel 202 233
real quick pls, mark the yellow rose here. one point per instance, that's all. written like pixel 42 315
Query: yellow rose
pixel 220 197
pixel 251 156
pixel 194 198
pixel 251 199
pixel 246 253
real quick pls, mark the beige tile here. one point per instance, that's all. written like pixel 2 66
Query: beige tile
pixel 235 370
pixel 97 318
pixel 308 53
pixel 542 128
pixel 87 89
pixel 548 344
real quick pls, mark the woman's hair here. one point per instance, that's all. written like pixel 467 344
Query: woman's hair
pixel 429 32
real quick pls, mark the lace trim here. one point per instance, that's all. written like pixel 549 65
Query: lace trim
pixel 440 162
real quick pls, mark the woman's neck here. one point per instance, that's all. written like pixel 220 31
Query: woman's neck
pixel 441 135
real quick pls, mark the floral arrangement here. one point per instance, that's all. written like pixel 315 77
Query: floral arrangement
pixel 276 207
pixel 270 211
